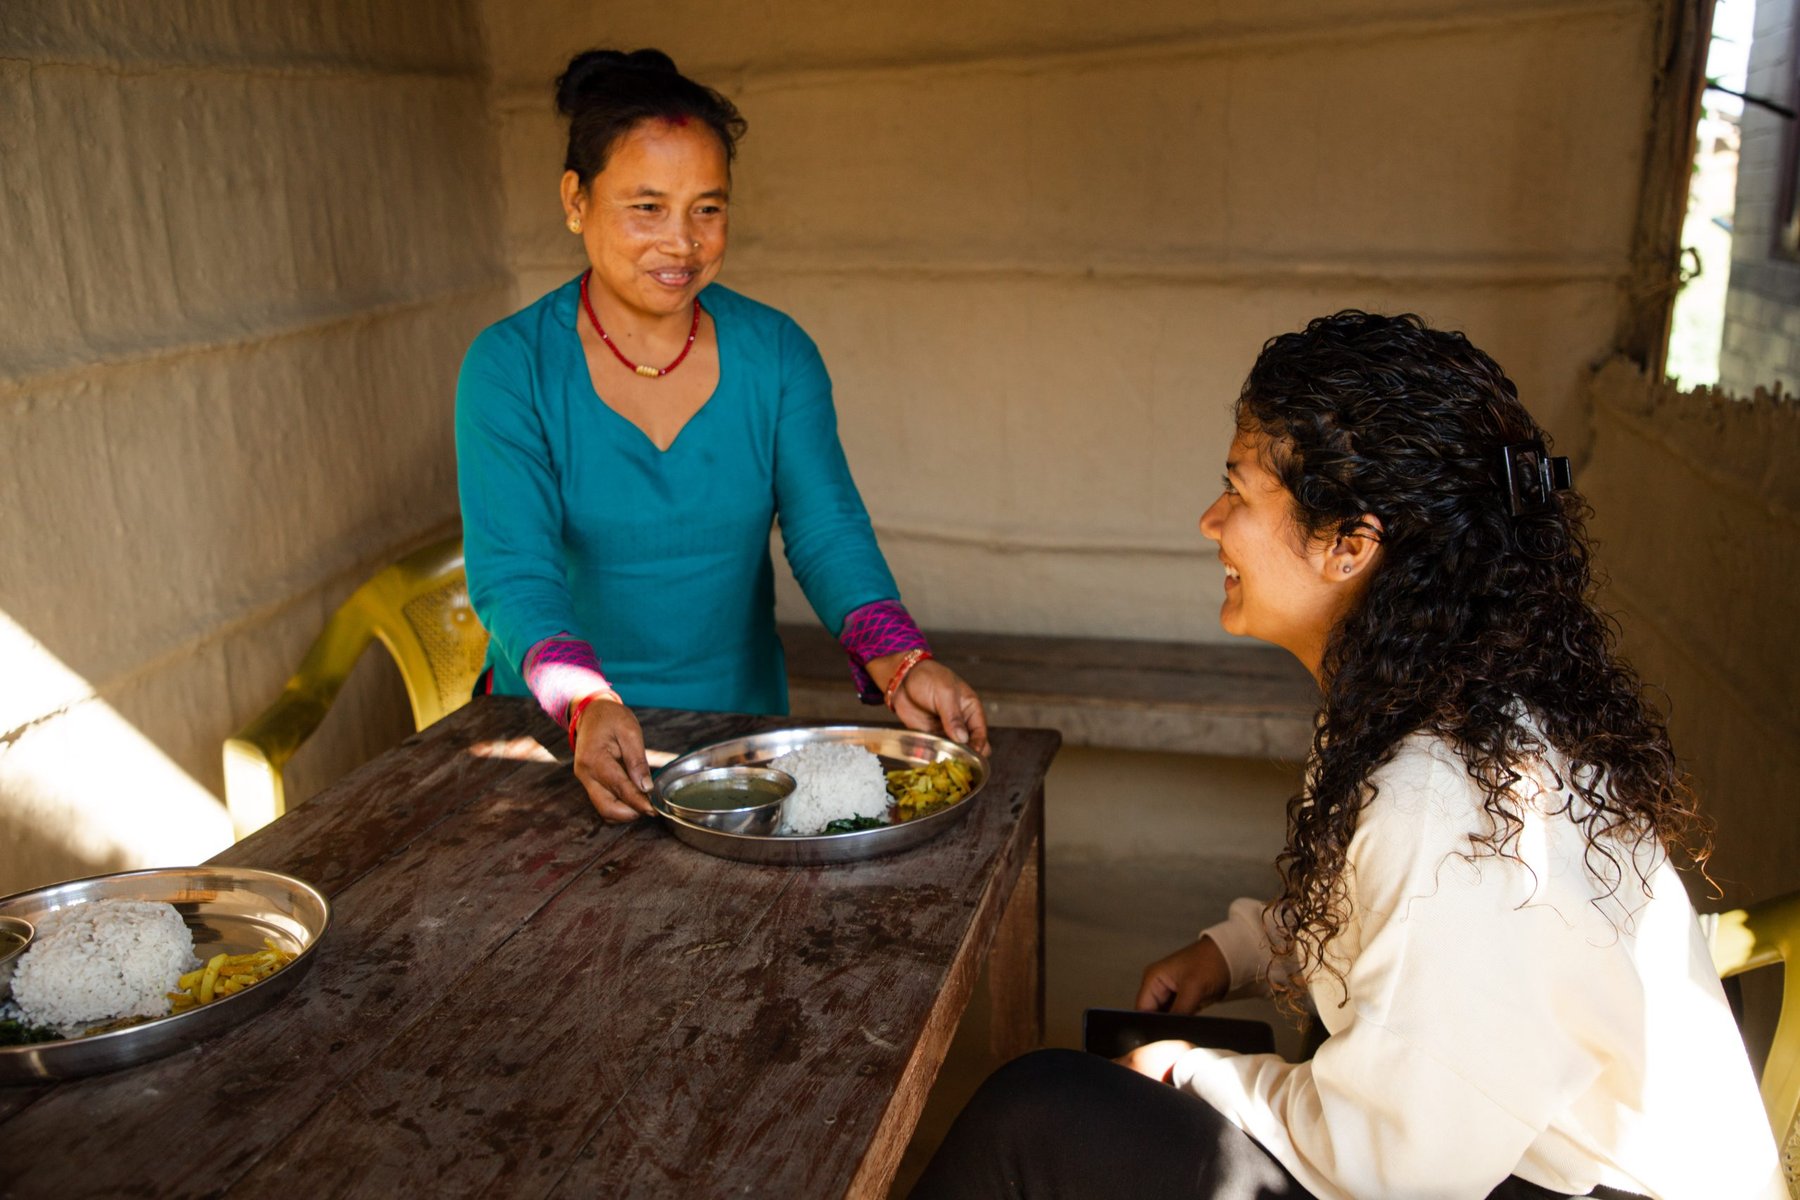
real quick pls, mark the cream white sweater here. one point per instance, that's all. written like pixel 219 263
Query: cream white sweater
pixel 1498 1017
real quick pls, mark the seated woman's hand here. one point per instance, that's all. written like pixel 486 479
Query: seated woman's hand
pixel 1154 1060
pixel 609 760
pixel 1186 981
pixel 935 699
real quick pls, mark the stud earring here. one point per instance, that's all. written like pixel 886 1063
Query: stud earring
pixel 574 224
pixel 1347 570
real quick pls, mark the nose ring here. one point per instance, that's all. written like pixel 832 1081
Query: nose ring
pixel 696 245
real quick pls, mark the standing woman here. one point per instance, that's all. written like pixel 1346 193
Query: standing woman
pixel 624 444
pixel 1480 897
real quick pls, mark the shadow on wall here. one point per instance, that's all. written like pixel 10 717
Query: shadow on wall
pixel 37 854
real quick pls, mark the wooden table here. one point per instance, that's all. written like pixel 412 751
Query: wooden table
pixel 516 999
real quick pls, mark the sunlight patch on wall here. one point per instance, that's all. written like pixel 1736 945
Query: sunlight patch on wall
pixel 37 683
pixel 81 789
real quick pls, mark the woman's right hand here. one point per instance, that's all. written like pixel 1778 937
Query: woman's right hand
pixel 609 760
pixel 1186 981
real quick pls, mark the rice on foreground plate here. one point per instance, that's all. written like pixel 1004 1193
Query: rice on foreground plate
pixel 101 961
pixel 834 780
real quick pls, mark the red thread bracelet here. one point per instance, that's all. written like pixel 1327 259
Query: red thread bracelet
pixel 913 658
pixel 580 706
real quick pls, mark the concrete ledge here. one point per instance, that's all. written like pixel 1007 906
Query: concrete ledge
pixel 1235 701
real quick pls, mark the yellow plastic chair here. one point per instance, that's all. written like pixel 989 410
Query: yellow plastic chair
pixel 419 609
pixel 1766 935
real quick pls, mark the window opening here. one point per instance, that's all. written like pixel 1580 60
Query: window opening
pixel 1698 332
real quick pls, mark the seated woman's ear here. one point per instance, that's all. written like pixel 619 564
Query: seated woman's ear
pixel 1355 553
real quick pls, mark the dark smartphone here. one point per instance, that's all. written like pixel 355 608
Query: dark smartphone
pixel 1110 1032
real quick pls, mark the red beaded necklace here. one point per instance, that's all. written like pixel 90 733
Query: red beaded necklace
pixel 646 372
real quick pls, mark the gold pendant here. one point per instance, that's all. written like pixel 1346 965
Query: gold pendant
pixel 647 372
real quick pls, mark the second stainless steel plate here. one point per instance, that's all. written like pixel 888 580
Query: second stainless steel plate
pixel 228 909
pixel 895 747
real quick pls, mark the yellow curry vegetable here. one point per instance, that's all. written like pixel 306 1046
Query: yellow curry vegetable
pixel 227 975
pixel 920 791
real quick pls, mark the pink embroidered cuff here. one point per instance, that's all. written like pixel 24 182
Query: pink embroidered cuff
pixel 561 671
pixel 874 631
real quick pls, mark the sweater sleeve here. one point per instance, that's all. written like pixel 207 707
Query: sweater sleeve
pixel 825 529
pixel 1447 1065
pixel 875 630
pixel 562 672
pixel 1247 937
pixel 511 507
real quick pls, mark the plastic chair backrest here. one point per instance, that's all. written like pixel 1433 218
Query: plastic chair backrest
pixel 418 608
pixel 1766 935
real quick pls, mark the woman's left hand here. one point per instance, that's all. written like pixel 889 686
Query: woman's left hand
pixel 935 699
pixel 1154 1060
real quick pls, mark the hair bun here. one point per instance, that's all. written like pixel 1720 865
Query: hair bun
pixel 590 70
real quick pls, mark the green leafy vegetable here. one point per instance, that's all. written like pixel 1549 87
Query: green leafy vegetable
pixel 854 824
pixel 17 1033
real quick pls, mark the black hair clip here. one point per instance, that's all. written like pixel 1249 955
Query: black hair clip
pixel 1532 477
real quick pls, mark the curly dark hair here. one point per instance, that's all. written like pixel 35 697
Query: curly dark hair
pixel 605 94
pixel 1469 610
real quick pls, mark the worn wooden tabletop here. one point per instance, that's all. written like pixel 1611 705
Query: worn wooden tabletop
pixel 515 999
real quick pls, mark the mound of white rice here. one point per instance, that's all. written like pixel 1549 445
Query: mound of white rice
pixel 98 961
pixel 836 780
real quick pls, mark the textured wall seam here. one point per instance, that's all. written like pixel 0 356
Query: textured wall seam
pixel 10 736
pixel 1470 271
pixel 88 370
pixel 344 580
pixel 1481 20
pixel 302 70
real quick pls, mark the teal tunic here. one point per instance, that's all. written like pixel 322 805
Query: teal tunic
pixel 573 520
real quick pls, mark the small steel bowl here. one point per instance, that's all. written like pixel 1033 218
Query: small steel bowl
pixel 16 934
pixel 734 799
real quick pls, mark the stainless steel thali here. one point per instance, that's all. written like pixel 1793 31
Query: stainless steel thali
pixel 896 748
pixel 228 909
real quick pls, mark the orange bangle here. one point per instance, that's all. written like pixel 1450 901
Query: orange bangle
pixel 913 658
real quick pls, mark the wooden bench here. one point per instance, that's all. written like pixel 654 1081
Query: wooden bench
pixel 1239 701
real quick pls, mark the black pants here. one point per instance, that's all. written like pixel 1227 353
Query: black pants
pixel 1071 1126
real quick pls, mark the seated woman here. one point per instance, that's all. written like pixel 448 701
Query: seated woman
pixel 625 443
pixel 1480 895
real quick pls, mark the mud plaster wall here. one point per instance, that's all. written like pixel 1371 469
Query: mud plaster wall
pixel 1697 512
pixel 1040 245
pixel 244 246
